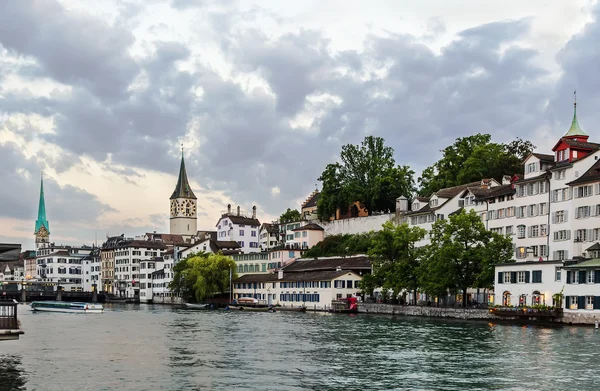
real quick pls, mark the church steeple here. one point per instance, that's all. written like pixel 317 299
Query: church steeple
pixel 575 130
pixel 182 189
pixel 42 228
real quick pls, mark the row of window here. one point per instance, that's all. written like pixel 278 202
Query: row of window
pixel 250 244
pixel 582 302
pixel 300 297
pixel 536 251
pixel 583 277
pixel 522 277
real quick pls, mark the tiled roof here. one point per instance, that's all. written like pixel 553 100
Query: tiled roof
pixel 346 263
pixel 296 276
pixel 422 199
pixel 591 175
pixel 142 244
pixel 310 227
pixel 228 244
pixel 535 178
pixel 312 201
pixel 271 228
pixel 450 192
pixel 585 264
pixel 593 247
pixel 580 144
pixel 544 157
pixel 168 239
pixel 492 191
pixel 235 219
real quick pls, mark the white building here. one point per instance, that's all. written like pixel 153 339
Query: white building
pixel 313 283
pixel 91 271
pixel 127 258
pixel 240 227
pixel 61 264
pixel 225 247
pixel 269 236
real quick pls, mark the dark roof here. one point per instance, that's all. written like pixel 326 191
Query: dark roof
pixel 346 263
pixel 450 192
pixel 182 189
pixel 591 175
pixel 142 243
pixel 271 228
pixel 426 209
pixel 310 227
pixel 422 199
pixel 221 244
pixel 300 276
pixel 544 157
pixel 457 211
pixel 9 251
pixel 580 144
pixel 535 178
pixel 492 192
pixel 312 201
pixel 156 273
pixel 235 219
pixel 590 263
pixel 593 247
pixel 166 238
pixel 63 253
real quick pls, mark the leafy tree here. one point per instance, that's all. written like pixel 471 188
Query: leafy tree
pixel 289 216
pixel 202 275
pixel 367 174
pixel 462 254
pixel 341 245
pixel 472 158
pixel 395 257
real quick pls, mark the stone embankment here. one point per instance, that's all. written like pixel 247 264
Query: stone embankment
pixel 432 312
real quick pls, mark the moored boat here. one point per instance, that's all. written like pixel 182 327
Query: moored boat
pixel 65 306
pixel 192 306
pixel 292 309
pixel 252 309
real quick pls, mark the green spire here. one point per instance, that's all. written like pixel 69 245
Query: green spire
pixel 182 189
pixel 575 129
pixel 41 220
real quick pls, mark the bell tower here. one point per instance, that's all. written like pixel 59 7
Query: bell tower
pixel 183 216
pixel 42 228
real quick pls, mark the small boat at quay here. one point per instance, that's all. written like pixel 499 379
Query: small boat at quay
pixel 252 309
pixel 65 306
pixel 192 306
pixel 291 309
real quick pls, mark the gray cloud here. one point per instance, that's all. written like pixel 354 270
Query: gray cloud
pixel 397 87
pixel 19 194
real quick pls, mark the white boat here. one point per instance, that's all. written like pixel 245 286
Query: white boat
pixel 192 306
pixel 65 306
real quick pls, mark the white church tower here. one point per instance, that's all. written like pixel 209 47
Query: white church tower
pixel 183 215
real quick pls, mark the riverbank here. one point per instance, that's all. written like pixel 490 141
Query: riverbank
pixel 567 318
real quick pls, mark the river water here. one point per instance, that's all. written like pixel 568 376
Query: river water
pixel 149 347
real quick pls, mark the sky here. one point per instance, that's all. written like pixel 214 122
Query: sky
pixel 100 96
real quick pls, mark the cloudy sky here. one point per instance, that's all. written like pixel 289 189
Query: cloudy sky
pixel 101 94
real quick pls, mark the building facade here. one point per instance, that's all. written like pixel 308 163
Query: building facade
pixel 240 227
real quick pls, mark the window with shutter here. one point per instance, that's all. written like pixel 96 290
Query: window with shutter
pixel 499 277
pixel 581 302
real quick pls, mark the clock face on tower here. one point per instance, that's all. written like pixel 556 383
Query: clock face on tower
pixel 43 233
pixel 174 208
pixel 188 209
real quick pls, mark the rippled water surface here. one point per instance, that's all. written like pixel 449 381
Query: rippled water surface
pixel 160 348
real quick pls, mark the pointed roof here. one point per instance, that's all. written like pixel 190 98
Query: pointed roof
pixel 182 189
pixel 575 129
pixel 41 219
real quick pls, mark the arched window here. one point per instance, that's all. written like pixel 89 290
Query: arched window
pixel 506 298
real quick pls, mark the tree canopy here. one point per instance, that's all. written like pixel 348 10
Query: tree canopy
pixel 289 215
pixel 472 158
pixel 202 275
pixel 341 245
pixel 461 255
pixel 396 259
pixel 367 174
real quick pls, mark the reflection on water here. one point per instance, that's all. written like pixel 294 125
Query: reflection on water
pixel 153 347
pixel 11 372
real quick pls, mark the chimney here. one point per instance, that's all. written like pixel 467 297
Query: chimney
pixel 485 183
pixel 228 209
pixel 401 204
pixel 280 274
pixel 238 210
pixel 506 180
pixel 254 212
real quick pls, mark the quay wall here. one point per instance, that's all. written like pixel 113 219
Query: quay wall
pixel 433 312
pixel 356 225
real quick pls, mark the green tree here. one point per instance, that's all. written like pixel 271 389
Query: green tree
pixel 367 174
pixel 396 259
pixel 472 158
pixel 341 245
pixel 203 275
pixel 289 215
pixel 462 254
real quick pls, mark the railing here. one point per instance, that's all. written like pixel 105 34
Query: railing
pixel 8 315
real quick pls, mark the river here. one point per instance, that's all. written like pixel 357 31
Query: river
pixel 145 347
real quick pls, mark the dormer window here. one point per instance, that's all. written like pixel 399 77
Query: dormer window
pixel 416 206
pixel 531 167
pixel 433 203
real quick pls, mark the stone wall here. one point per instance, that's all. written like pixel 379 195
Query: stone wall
pixel 167 300
pixel 578 318
pixel 434 312
pixel 356 225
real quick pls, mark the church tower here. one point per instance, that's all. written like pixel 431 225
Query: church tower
pixel 183 206
pixel 42 228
